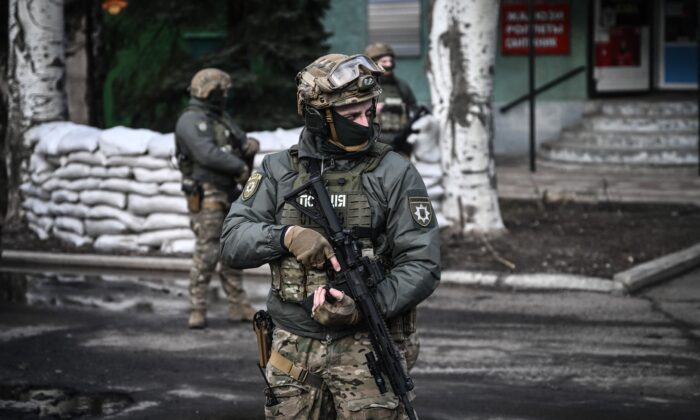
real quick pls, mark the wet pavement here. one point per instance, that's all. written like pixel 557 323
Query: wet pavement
pixel 96 345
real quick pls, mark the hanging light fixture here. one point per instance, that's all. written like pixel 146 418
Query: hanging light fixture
pixel 113 7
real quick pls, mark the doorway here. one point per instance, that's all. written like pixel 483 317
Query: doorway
pixel 677 67
pixel 643 45
pixel 622 46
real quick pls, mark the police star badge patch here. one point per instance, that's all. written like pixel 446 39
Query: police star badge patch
pixel 251 186
pixel 421 210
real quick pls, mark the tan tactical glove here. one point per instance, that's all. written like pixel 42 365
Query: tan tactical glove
pixel 342 312
pixel 242 178
pixel 309 246
pixel 250 147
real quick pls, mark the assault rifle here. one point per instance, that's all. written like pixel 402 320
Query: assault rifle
pixel 400 141
pixel 358 277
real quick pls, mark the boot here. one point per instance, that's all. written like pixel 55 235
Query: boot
pixel 198 319
pixel 241 312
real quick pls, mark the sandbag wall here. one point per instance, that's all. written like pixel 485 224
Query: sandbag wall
pixel 118 189
pixel 115 189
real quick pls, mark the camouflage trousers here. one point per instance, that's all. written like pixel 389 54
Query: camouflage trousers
pixel 206 225
pixel 409 348
pixel 348 390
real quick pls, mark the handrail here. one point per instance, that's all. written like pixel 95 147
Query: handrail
pixel 545 87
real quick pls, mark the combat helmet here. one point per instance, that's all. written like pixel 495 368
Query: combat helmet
pixel 207 80
pixel 377 50
pixel 336 80
pixel 332 81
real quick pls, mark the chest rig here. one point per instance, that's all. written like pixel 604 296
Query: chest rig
pixel 292 281
pixel 227 135
pixel 393 116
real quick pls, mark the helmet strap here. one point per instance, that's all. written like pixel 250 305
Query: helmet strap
pixel 331 125
pixel 315 122
pixel 375 123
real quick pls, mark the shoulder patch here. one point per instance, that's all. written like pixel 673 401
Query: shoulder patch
pixel 251 186
pixel 421 209
pixel 202 126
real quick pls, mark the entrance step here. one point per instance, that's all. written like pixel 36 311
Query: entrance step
pixel 585 167
pixel 568 152
pixel 579 137
pixel 629 134
pixel 649 108
pixel 640 124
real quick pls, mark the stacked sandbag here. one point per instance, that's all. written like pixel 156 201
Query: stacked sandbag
pixel 274 141
pixel 115 189
pixel 119 190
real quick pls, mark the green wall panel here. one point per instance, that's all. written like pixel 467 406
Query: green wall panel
pixel 511 78
pixel 347 23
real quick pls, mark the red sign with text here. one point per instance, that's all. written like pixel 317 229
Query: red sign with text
pixel 552 29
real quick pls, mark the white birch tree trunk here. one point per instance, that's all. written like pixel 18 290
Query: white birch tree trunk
pixel 36 78
pixel 461 59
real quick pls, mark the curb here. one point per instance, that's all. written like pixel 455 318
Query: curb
pixel 534 281
pixel 658 270
pixel 125 262
pixel 540 281
pixel 642 275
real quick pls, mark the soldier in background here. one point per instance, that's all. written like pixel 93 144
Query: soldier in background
pixel 397 104
pixel 215 159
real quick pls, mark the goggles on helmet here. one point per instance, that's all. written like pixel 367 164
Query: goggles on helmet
pixel 348 70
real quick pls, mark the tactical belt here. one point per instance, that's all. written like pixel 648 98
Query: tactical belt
pixel 295 372
pixel 212 205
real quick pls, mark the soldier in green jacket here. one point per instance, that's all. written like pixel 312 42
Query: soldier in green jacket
pixel 317 367
pixel 396 105
pixel 214 157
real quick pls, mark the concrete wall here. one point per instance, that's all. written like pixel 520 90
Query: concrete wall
pixel 511 129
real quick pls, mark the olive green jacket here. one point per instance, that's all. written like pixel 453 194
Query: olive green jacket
pixel 251 235
pixel 196 134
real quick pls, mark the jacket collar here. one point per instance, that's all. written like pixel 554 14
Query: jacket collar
pixel 310 145
pixel 200 103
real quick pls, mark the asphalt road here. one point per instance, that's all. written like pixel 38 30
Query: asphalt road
pixel 116 346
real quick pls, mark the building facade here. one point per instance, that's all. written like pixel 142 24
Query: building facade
pixel 642 50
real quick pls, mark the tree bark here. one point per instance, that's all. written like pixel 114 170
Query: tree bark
pixel 35 76
pixel 460 70
pixel 4 99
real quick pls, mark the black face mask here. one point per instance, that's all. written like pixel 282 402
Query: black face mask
pixel 217 99
pixel 352 134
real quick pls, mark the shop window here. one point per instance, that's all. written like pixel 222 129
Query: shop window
pixel 397 23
